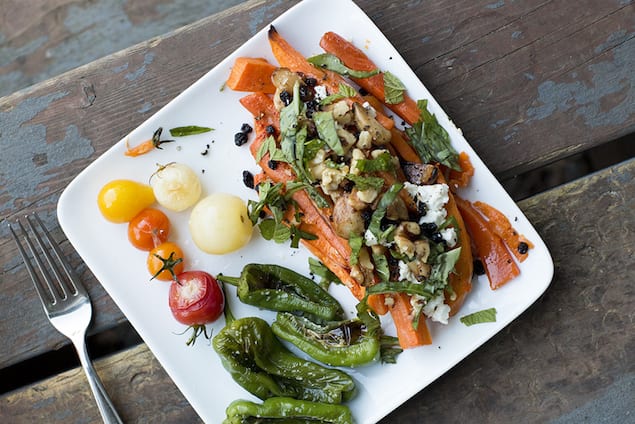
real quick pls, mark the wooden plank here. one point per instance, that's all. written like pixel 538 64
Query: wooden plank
pixel 139 387
pixel 570 353
pixel 58 127
pixel 40 39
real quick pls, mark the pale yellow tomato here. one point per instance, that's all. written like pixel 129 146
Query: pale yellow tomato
pixel 121 200
pixel 220 224
pixel 176 186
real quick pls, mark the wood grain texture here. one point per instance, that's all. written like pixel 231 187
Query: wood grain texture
pixel 40 39
pixel 529 82
pixel 573 346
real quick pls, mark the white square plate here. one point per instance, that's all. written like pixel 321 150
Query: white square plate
pixel 197 370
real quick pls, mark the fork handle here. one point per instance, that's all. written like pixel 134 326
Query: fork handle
pixel 106 408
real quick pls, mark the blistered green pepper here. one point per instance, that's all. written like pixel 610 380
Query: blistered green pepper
pixel 283 410
pixel 280 289
pixel 261 364
pixel 346 343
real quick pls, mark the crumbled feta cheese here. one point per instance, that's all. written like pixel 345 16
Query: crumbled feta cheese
pixel 320 92
pixel 435 196
pixel 370 239
pixel 405 273
pixel 436 309
pixel 449 235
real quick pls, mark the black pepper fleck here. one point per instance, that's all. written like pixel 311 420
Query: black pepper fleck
pixel 270 130
pixel 246 128
pixel 523 247
pixel 272 164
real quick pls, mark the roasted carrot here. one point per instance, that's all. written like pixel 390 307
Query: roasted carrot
pixel 498 262
pixel 356 59
pixel 461 178
pixel 500 225
pixel 251 74
pixel 289 57
pixel 401 312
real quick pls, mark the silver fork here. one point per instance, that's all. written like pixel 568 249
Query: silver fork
pixel 63 297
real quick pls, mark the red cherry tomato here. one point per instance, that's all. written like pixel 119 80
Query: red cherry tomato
pixel 148 229
pixel 163 258
pixel 196 298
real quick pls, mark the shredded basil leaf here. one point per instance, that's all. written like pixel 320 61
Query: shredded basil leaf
pixel 356 242
pixel 389 349
pixel 479 317
pixel 333 63
pixel 364 183
pixel 383 162
pixel 344 92
pixel 327 276
pixel 393 89
pixel 269 146
pixel 327 130
pixel 386 200
pixel 431 140
pixel 189 130
pixel 381 266
pixel 400 287
pixel 444 265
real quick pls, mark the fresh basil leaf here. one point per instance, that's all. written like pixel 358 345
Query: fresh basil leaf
pixel 318 268
pixel 189 130
pixel 327 130
pixel 311 147
pixel 393 89
pixel 333 63
pixel 356 242
pixel 431 140
pixel 389 349
pixel 381 266
pixel 444 265
pixel 479 317
pixel 289 124
pixel 364 183
pixel 344 92
pixel 297 235
pixel 386 200
pixel 383 162
pixel 400 287
pixel 272 230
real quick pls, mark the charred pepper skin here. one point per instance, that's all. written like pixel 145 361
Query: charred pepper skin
pixel 286 410
pixel 280 289
pixel 348 343
pixel 261 364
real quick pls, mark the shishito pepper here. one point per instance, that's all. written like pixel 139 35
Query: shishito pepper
pixel 346 343
pixel 281 289
pixel 261 364
pixel 288 411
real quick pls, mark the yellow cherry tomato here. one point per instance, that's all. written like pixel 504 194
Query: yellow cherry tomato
pixel 220 224
pixel 121 200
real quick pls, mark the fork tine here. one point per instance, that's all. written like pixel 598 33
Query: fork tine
pixel 70 285
pixel 46 296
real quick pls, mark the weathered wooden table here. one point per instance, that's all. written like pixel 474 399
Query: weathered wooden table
pixel 528 82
